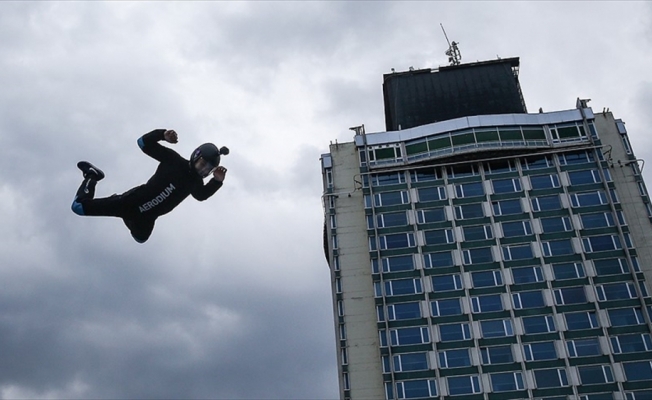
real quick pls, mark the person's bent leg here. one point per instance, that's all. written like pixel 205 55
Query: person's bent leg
pixel 140 229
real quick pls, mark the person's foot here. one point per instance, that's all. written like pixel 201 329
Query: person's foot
pixel 90 171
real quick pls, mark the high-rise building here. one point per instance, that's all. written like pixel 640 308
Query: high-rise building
pixel 491 256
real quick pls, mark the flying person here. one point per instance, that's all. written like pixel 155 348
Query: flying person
pixel 175 179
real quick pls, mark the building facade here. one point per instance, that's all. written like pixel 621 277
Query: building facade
pixel 491 257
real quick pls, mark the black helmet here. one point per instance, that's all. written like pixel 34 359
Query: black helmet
pixel 210 156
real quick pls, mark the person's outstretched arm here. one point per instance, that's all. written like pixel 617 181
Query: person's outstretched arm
pixel 149 144
pixel 203 192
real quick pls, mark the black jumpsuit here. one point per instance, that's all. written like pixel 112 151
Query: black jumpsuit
pixel 139 207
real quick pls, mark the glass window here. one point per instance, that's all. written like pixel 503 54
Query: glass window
pixel 458 385
pixel 517 252
pixel 611 266
pixel 453 332
pixel 548 378
pixel 577 157
pixel 499 166
pixel 507 207
pixel 616 291
pixel 396 241
pixel 527 275
pixel 631 343
pixel 444 283
pixel 583 347
pixel 638 371
pixel 497 328
pixel 487 303
pixel 469 189
pixel 531 299
pixel 560 247
pixel 556 224
pixel 454 358
pixel 506 185
pixel 399 287
pixel 506 381
pixel 536 162
pixel 538 324
pixel 598 220
pixel 391 198
pixel 595 374
pixel 546 203
pixel 401 311
pixel 440 308
pixel 625 316
pixel 486 279
pixel 477 256
pixel 441 236
pixel 540 351
pixel 570 295
pixel 496 355
pixel 425 174
pixel 407 336
pixel 431 194
pixel 587 199
pixel 601 243
pixel 544 181
pixel 390 178
pixel 568 271
pixel 516 228
pixel 410 362
pixel 439 259
pixel 392 219
pixel 416 389
pixel 584 177
pixel 462 171
pixel 429 215
pixel 635 395
pixel 469 211
pixel 394 264
pixel 581 320
pixel 479 232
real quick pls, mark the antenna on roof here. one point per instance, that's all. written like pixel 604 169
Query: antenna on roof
pixel 453 52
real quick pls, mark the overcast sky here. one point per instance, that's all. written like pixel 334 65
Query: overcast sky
pixel 230 298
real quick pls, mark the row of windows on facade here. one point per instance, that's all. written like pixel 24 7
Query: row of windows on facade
pixel 533 379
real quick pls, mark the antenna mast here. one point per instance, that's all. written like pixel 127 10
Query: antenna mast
pixel 453 52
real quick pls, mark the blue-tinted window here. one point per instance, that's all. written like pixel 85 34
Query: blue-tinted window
pixel 443 283
pixel 440 308
pixel 601 243
pixel 581 320
pixel 407 336
pixel 516 228
pixel 570 295
pixel 391 178
pixel 584 177
pixel 616 291
pixel 402 311
pixel 560 247
pixel 497 328
pixel 588 199
pixel 638 371
pixel 517 252
pixel 631 343
pixel 507 381
pixel 486 279
pixel 425 174
pixel 548 378
pixel 531 299
pixel 540 351
pixel 538 324
pixel 441 236
pixel 497 355
pixel 454 358
pixel 625 316
pixel 546 203
pixel 487 303
pixel 527 275
pixel 507 207
pixel 399 287
pixel 432 194
pixel 611 266
pixel 583 347
pixel 396 241
pixel 394 264
pixel 469 189
pixel 506 185
pixel 391 198
pixel 480 232
pixel 429 215
pixel 411 362
pixel 598 220
pixel 556 224
pixel 462 171
pixel 536 162
pixel 579 157
pixel 469 211
pixel 568 271
pixel 595 374
pixel 453 332
pixel 439 259
pixel 544 181
pixel 391 219
pixel 499 166
pixel 416 389
pixel 477 256
pixel 458 385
